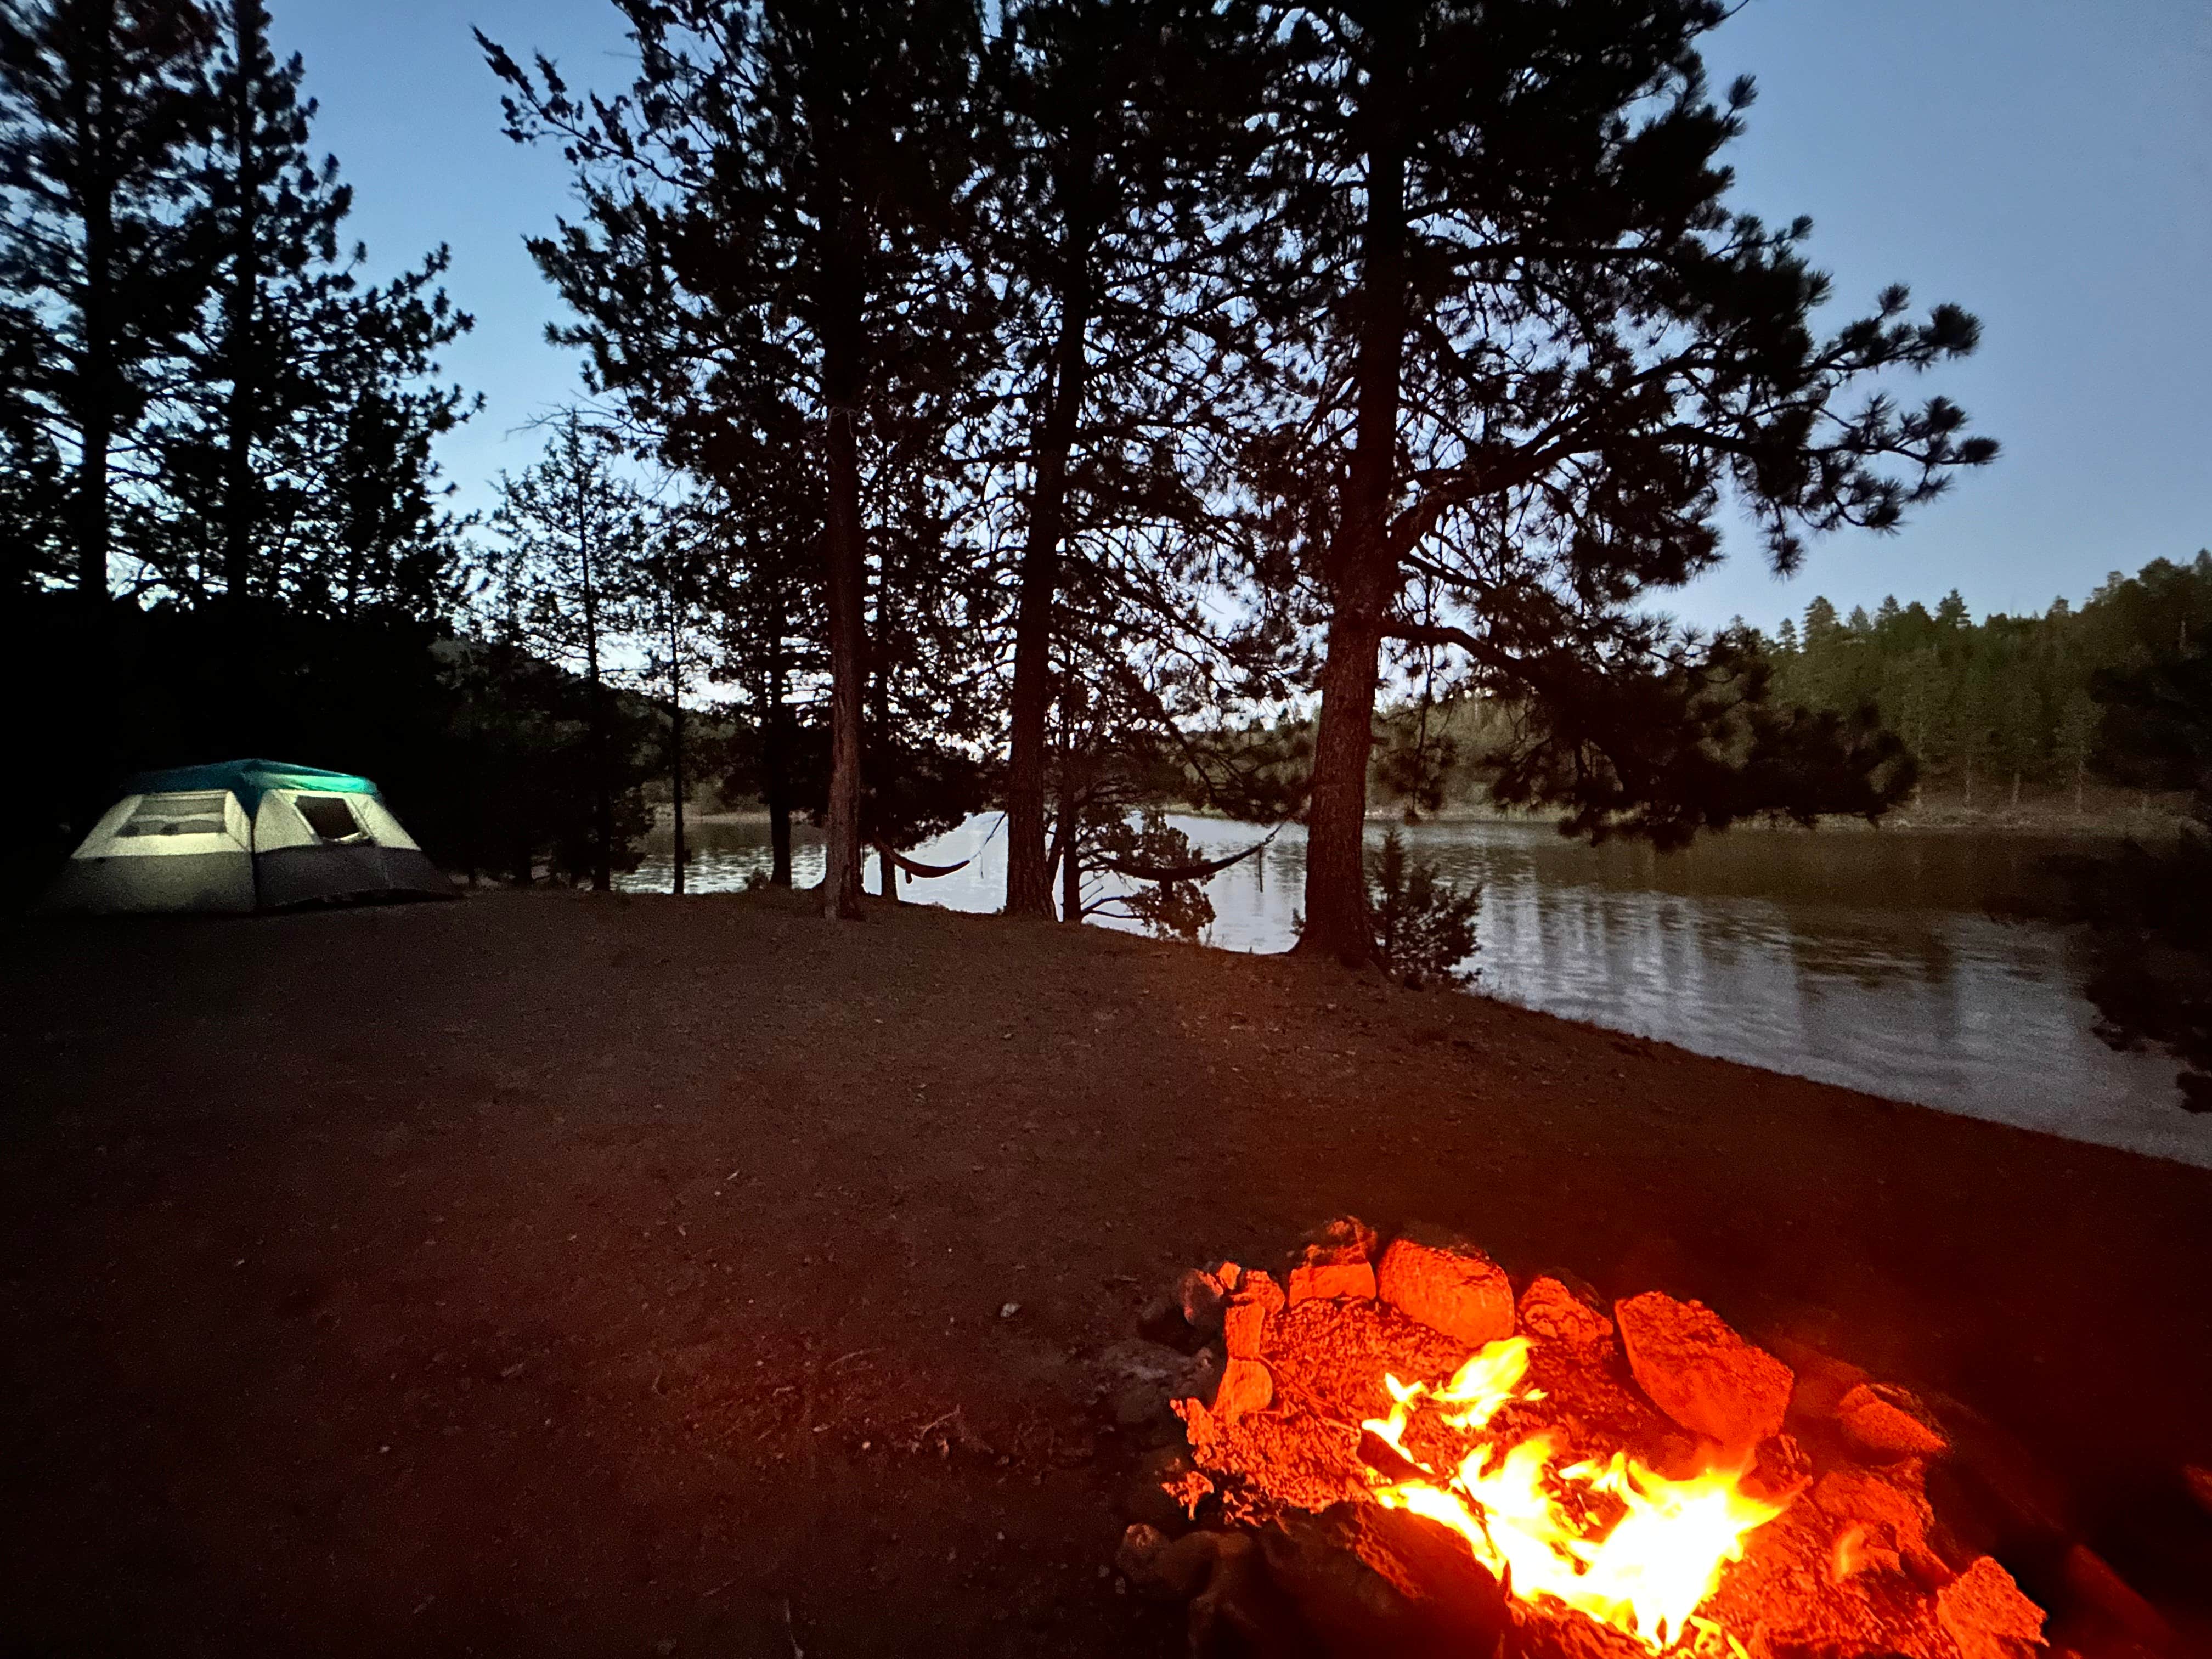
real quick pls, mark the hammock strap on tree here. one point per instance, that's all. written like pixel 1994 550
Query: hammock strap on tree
pixel 922 871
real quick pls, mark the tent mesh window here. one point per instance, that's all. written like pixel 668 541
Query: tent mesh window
pixel 199 814
pixel 328 815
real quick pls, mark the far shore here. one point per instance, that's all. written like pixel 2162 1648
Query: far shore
pixel 2104 814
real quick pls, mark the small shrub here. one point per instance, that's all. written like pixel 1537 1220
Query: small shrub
pixel 1425 928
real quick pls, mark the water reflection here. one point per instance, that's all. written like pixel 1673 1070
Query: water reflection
pixel 1860 958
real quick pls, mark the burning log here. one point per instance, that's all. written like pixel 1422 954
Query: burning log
pixel 1430 1466
pixel 1368 1581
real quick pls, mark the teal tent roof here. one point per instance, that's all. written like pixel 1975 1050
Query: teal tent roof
pixel 248 780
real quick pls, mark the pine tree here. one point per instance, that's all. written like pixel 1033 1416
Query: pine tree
pixel 1122 140
pixel 575 535
pixel 295 464
pixel 102 105
pixel 765 508
pixel 2077 739
pixel 1425 928
pixel 765 243
pixel 676 577
pixel 1524 345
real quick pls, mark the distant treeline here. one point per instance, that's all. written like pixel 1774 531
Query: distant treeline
pixel 1985 710
pixel 1986 706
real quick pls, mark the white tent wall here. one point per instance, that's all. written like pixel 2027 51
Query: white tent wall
pixel 105 831
pixel 279 823
pixel 147 826
pixel 383 829
pixel 372 857
pixel 148 852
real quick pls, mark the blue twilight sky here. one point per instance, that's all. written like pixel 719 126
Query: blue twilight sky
pixel 2046 163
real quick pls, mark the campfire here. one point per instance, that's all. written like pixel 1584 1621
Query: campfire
pixel 1401 1455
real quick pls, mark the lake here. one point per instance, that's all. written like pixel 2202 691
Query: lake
pixel 1866 958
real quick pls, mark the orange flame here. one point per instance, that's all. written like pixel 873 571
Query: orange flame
pixel 1645 1576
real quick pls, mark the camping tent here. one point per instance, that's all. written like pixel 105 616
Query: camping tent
pixel 244 836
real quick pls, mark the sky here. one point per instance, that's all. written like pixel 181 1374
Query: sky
pixel 2046 163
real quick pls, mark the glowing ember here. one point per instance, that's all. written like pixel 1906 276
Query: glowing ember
pixel 1616 1540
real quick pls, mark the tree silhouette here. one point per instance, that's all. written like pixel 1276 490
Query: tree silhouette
pixel 566 585
pixel 766 516
pixel 1121 135
pixel 101 104
pixel 763 245
pixel 1524 350
pixel 295 461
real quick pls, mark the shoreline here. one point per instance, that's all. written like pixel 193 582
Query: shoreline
pixel 2162 819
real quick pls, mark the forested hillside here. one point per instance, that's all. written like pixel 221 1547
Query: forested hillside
pixel 1998 713
pixel 1995 706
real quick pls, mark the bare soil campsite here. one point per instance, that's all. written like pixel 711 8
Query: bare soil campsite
pixel 559 1273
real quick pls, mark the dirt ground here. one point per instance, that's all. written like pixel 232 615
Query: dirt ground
pixel 565 1275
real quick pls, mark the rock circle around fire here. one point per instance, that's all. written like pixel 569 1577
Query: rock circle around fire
pixel 1399 1454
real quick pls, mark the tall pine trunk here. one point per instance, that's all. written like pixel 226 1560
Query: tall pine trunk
pixel 1058 851
pixel 603 806
pixel 1337 921
pixel 98 745
pixel 775 761
pixel 844 578
pixel 1071 843
pixel 241 401
pixel 97 432
pixel 879 668
pixel 239 311
pixel 1029 874
pixel 1362 568
pixel 675 745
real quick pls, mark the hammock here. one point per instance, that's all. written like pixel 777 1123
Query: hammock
pixel 922 871
pixel 1200 872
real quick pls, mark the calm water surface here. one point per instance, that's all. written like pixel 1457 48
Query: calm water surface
pixel 1866 959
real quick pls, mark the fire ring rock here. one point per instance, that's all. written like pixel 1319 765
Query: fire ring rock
pixel 1200 1295
pixel 1326 1273
pixel 1244 1327
pixel 1550 1309
pixel 1886 1429
pixel 1247 1386
pixel 1338 1264
pixel 1462 1294
pixel 1701 1373
pixel 1985 1613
